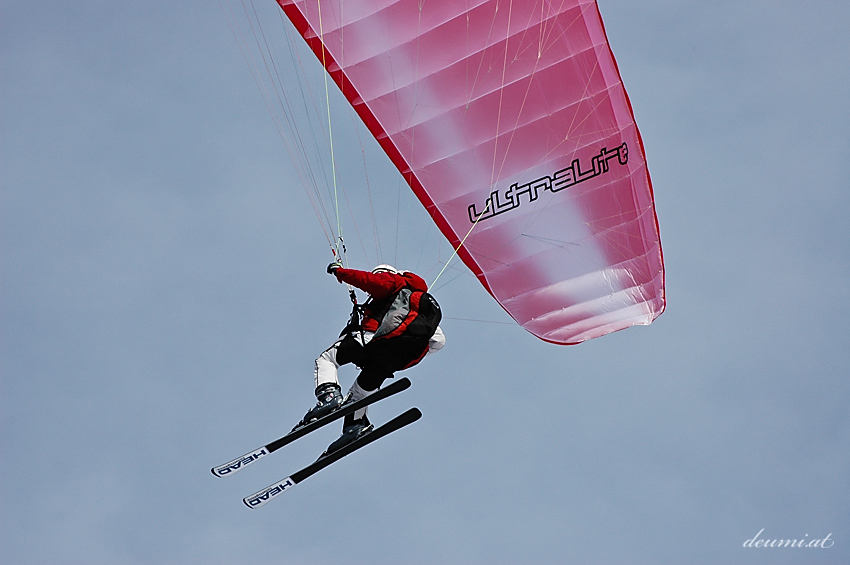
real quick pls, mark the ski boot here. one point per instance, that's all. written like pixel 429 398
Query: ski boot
pixel 329 397
pixel 351 430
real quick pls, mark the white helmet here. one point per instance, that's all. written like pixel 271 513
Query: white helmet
pixel 386 269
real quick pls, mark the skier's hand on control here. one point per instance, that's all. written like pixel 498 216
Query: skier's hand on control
pixel 333 267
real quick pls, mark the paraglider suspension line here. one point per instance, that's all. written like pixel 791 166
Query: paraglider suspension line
pixel 459 245
pixel 330 124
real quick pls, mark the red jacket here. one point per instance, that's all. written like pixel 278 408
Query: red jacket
pixel 379 285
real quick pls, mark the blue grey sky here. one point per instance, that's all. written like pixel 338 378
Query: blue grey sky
pixel 163 297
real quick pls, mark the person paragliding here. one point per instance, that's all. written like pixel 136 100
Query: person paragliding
pixel 393 330
pixel 515 132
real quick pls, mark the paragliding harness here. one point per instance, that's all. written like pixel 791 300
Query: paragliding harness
pixel 354 321
pixel 408 319
pixel 410 312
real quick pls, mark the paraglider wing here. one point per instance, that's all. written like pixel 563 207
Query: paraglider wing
pixel 510 123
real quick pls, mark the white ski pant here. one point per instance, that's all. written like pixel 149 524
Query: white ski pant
pixel 327 370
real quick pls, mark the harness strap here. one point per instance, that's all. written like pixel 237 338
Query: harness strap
pixel 354 322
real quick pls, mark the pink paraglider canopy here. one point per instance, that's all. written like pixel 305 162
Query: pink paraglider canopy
pixel 510 122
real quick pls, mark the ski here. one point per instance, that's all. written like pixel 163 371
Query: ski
pixel 262 497
pixel 240 463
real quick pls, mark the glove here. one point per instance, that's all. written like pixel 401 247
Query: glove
pixel 333 267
